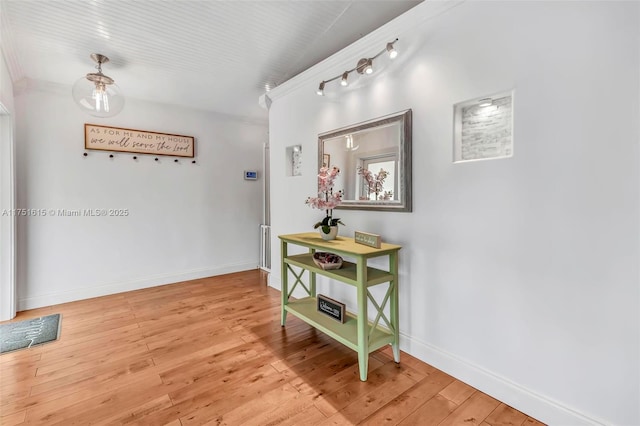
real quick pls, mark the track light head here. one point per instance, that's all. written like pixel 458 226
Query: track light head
pixel 344 81
pixel 365 66
pixel 320 90
pixel 392 51
pixel 369 67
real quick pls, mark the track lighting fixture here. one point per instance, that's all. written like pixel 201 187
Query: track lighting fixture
pixel 97 93
pixel 364 66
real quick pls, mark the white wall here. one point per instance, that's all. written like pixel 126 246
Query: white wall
pixel 185 220
pixel 519 276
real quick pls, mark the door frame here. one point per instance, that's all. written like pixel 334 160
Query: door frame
pixel 7 217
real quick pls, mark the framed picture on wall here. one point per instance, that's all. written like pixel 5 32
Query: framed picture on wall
pixel 326 160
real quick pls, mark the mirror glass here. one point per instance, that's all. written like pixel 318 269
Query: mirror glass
pixel 374 159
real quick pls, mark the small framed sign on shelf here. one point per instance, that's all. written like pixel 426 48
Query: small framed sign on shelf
pixel 371 240
pixel 332 308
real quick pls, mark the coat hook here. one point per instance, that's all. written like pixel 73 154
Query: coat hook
pixel 193 162
pixel 135 158
pixel 156 159
pixel 175 161
pixel 85 154
pixel 110 155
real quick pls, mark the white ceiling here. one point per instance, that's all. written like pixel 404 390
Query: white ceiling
pixel 212 55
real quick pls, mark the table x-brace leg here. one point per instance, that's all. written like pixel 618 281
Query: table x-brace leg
pixel 380 310
pixel 298 281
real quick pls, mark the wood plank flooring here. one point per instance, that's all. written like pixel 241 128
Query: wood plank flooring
pixel 212 352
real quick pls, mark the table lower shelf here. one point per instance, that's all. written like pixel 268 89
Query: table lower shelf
pixel 345 333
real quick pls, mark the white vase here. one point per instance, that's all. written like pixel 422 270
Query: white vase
pixel 333 232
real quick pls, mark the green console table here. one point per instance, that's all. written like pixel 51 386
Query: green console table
pixel 357 332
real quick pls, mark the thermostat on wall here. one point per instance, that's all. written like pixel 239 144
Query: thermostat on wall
pixel 250 175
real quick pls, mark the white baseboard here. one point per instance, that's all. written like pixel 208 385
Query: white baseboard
pixel 39 301
pixel 535 405
pixel 275 282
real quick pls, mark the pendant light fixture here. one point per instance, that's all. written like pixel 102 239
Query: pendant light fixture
pixel 96 93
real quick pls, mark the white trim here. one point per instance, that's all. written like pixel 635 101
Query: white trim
pixel 523 399
pixel 28 85
pixel 113 288
pixel 7 222
pixel 275 281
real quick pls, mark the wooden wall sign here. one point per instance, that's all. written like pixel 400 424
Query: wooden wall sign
pixel 332 308
pixel 105 138
pixel 371 240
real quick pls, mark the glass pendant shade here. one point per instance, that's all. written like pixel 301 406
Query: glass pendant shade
pixel 97 94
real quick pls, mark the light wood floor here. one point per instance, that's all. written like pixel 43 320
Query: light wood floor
pixel 212 351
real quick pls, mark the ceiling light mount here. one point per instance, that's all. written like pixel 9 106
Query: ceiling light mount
pixel 99 58
pixel 96 93
pixel 98 77
pixel 364 66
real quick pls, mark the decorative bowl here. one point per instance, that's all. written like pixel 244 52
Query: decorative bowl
pixel 327 261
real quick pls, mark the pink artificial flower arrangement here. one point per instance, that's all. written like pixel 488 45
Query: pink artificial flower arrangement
pixel 326 200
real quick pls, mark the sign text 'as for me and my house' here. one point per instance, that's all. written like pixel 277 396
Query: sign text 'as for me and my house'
pixel 107 138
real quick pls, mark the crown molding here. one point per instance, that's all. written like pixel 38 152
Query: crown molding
pixel 27 85
pixel 367 45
